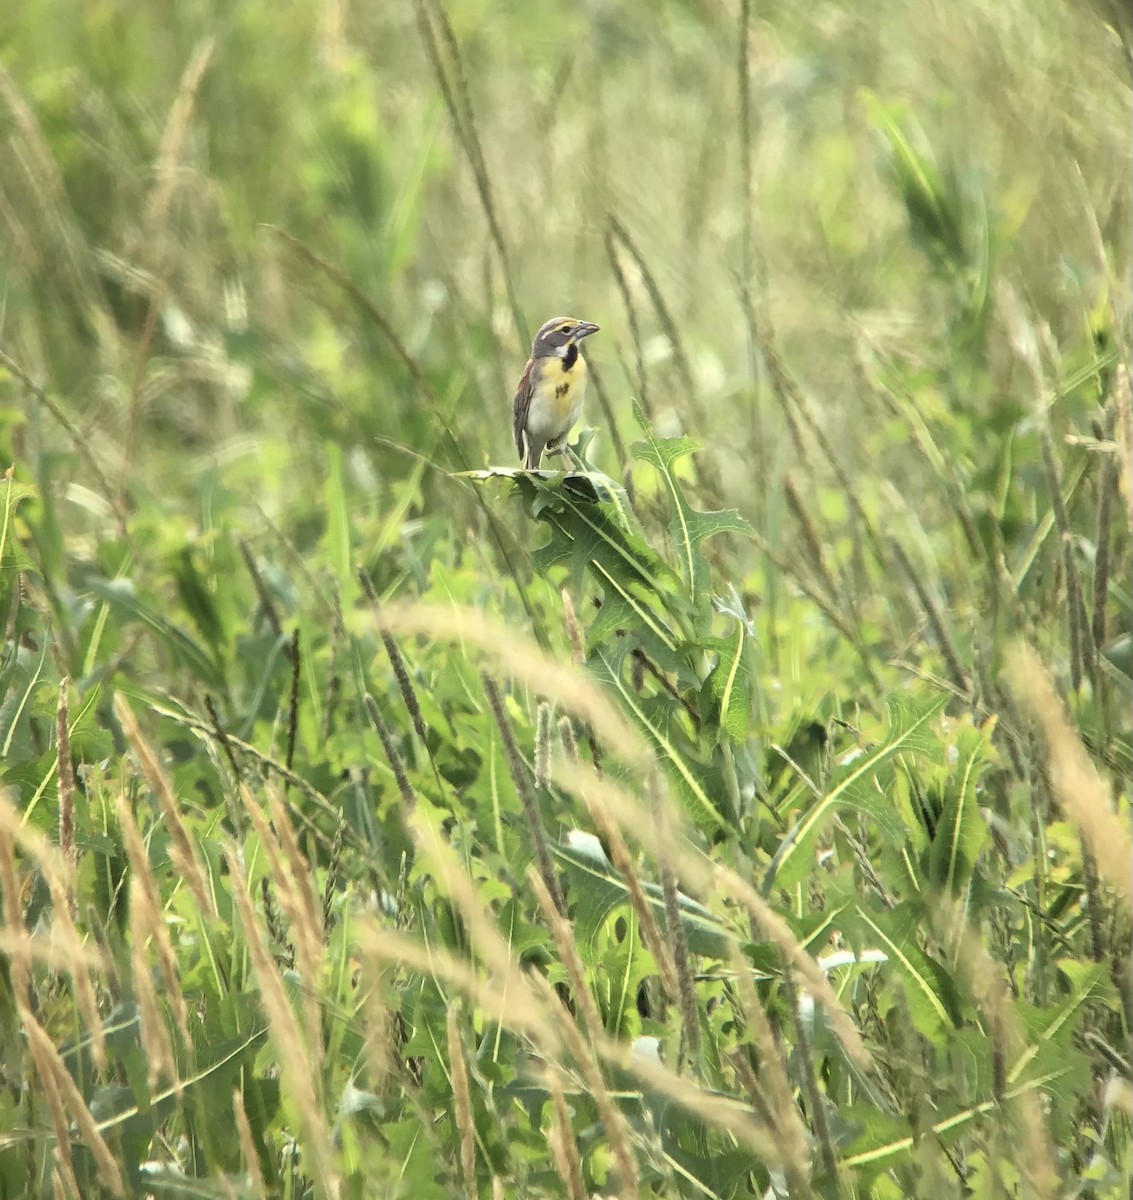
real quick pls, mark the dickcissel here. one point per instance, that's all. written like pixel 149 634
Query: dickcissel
pixel 548 401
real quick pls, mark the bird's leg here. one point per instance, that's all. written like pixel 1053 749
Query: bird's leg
pixel 562 446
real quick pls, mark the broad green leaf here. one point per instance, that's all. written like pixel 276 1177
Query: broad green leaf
pixel 731 682
pixel 596 890
pixel 698 784
pixel 127 605
pixel 961 833
pixel 857 785
pixel 930 992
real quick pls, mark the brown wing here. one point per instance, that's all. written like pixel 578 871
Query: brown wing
pixel 520 406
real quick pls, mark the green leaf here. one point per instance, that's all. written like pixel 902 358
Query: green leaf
pixel 596 890
pixel 856 785
pixel 593 531
pixel 690 527
pixel 338 523
pixel 127 606
pixel 698 784
pixel 730 683
pixel 961 833
pixel 934 1004
pixel 931 196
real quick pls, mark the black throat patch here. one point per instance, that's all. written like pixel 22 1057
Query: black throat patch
pixel 571 356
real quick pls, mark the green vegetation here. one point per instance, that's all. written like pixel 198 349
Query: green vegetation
pixel 748 815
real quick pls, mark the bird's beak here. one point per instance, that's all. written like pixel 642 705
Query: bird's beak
pixel 585 329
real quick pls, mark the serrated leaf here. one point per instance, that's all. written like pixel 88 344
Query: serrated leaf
pixel 690 526
pixel 961 833
pixel 730 683
pixel 702 793
pixel 934 1006
pixel 596 890
pixel 602 538
pixel 1089 983
pixel 855 786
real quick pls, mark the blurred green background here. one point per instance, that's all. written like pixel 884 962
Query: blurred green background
pixel 151 151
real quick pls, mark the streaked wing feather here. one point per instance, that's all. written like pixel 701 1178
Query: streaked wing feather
pixel 520 407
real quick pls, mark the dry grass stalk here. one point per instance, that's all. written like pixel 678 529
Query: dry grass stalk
pixel 816 1102
pixel 787 1124
pixel 935 617
pixel 17 931
pixel 50 1066
pixel 54 952
pixel 568 953
pixel 720 1111
pixel 1081 792
pixel 1107 489
pixel 669 324
pixel 1078 626
pixel 160 1059
pixel 777 930
pixel 308 909
pixel 617 1130
pixel 723 1112
pixel 574 630
pixel 563 1145
pixel 1123 401
pixel 990 991
pixel 508 1000
pixel 59 875
pixel 523 787
pixel 668 846
pixel 529 1005
pixel 455 882
pixel 49 1090
pixel 66 776
pixel 86 998
pixel 301 1081
pixel 182 853
pixel 454 88
pixel 173 141
pixel 30 151
pixel 462 1103
pixel 154 246
pixel 292 877
pixel 811 539
pixel 632 321
pixel 674 927
pixel 522 660
pixel 145 905
pixel 380 1026
pixel 248 1147
pixel 623 861
pixel 60 1190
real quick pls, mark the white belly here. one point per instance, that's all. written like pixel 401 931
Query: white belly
pixel 552 417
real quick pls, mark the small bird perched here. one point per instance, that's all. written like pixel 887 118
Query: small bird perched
pixel 548 400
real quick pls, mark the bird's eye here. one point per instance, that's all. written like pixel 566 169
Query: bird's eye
pixel 566 328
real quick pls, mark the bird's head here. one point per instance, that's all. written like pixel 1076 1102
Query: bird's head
pixel 557 335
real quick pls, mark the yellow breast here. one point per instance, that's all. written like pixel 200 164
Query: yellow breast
pixel 561 390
